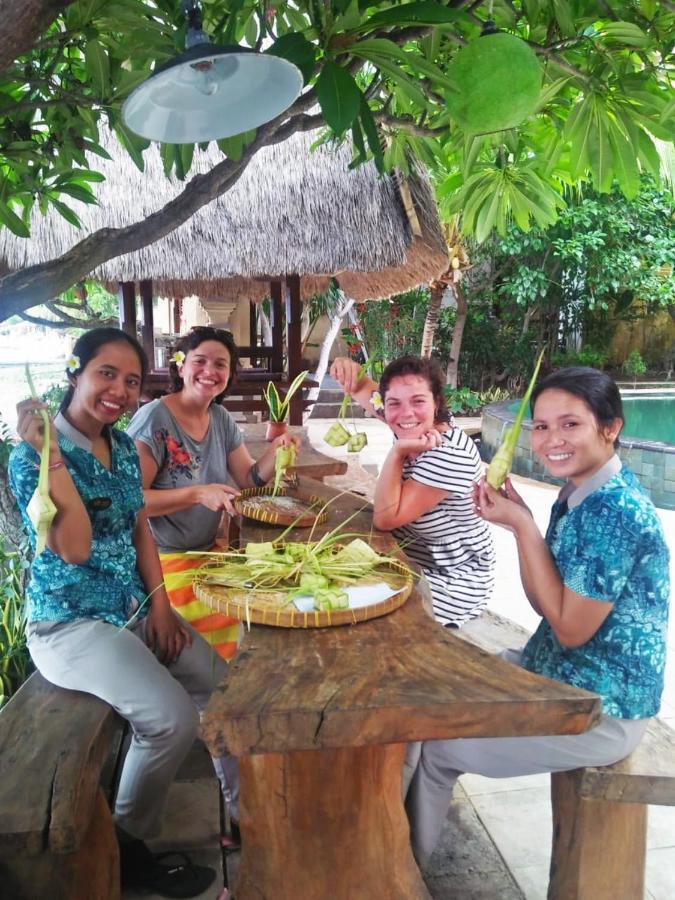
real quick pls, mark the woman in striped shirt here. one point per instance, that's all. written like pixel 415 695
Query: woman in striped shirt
pixel 424 491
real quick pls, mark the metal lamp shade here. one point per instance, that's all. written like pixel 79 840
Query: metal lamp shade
pixel 211 92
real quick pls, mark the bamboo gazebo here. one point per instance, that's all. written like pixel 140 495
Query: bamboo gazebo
pixel 296 217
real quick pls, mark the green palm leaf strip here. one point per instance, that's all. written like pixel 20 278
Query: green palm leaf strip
pixel 41 509
pixel 501 462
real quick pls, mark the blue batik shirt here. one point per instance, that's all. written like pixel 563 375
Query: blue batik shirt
pixel 608 544
pixel 108 585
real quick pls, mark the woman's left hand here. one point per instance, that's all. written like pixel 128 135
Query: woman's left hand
pixel 164 633
pixel 412 447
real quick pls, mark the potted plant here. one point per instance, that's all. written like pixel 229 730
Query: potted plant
pixel 278 408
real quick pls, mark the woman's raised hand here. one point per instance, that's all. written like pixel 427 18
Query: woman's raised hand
pixel 217 497
pixel 30 426
pixel 346 372
pixel 504 507
pixel 414 446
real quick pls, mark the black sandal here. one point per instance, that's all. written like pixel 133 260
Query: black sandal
pixel 177 878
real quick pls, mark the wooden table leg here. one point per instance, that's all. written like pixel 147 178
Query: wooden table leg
pixel 325 823
pixel 599 847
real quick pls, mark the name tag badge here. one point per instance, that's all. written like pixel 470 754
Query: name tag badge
pixel 97 503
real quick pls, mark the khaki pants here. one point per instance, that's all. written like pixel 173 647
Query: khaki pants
pixel 161 703
pixel 432 767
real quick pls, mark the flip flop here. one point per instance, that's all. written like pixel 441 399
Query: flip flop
pixel 170 874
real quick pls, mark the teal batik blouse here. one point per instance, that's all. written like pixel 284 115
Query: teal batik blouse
pixel 608 544
pixel 107 586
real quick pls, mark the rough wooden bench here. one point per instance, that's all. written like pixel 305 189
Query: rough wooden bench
pixel 57 838
pixel 599 813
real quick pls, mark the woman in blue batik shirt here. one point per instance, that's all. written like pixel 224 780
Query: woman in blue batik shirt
pixel 600 582
pixel 99 619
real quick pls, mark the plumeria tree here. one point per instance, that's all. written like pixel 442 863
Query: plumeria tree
pixel 390 77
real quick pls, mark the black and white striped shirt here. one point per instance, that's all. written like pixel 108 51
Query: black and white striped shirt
pixel 450 542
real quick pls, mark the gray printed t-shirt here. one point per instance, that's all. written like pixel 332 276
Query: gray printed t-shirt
pixel 184 462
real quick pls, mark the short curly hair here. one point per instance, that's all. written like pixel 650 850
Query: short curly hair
pixel 190 341
pixel 429 369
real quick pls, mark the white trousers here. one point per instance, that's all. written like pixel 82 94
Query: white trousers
pixel 432 767
pixel 162 704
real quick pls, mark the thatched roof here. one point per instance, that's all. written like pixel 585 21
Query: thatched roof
pixel 292 211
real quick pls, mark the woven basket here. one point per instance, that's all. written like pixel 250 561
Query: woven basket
pixel 267 608
pixel 308 509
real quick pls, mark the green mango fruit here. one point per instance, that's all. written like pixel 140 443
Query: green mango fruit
pixel 497 80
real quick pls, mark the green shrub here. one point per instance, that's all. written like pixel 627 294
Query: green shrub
pixel 15 663
pixel 587 356
pixel 634 365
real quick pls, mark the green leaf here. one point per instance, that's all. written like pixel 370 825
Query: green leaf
pixel 519 208
pixel 625 165
pixel 296 49
pixel 625 33
pixel 68 214
pixel 600 153
pixel 97 66
pixel 648 154
pixel 10 219
pixel 562 10
pixel 578 134
pixel 233 147
pixel 93 147
pixel 83 194
pixel 233 9
pixel 371 133
pixel 338 95
pixel 133 144
pixel 407 86
pixel 422 13
pixel 186 152
pixel 487 214
pixel 251 31
pixel 359 144
pixel 167 153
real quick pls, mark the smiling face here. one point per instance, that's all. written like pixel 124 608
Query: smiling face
pixel 205 371
pixel 108 386
pixel 568 438
pixel 409 406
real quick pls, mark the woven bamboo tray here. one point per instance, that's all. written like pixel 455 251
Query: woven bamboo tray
pixel 285 508
pixel 273 609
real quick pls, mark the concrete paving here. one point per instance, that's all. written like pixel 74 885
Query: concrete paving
pixel 496 840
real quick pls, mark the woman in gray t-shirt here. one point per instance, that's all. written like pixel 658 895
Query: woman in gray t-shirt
pixel 190 447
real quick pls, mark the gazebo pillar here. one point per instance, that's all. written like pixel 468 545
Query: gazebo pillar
pixel 127 307
pixel 294 341
pixel 277 327
pixel 147 321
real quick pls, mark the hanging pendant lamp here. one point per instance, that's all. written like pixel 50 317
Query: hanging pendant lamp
pixel 210 92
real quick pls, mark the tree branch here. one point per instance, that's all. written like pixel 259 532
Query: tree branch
pixel 23 21
pixel 70 321
pixel 408 125
pixel 36 284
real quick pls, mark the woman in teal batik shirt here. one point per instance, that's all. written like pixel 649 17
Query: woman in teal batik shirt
pixel 99 619
pixel 600 582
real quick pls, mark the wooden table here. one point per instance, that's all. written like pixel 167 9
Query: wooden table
pixel 320 719
pixel 310 462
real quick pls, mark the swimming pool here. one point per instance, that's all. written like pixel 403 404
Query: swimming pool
pixel 647 441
